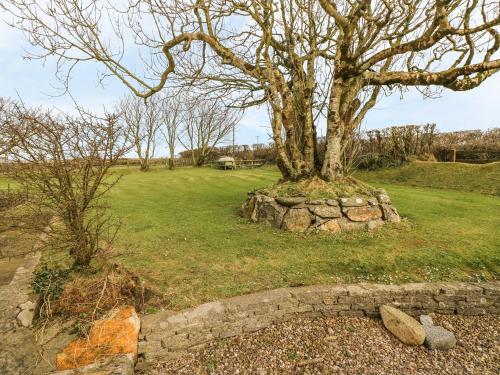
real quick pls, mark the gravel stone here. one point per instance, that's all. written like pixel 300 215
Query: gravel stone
pixel 346 345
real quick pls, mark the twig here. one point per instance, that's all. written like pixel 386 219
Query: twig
pixel 100 297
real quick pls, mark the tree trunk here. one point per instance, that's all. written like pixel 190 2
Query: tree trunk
pixel 82 252
pixel 332 168
pixel 332 165
pixel 171 160
pixel 296 151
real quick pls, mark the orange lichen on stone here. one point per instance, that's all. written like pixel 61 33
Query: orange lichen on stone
pixel 117 334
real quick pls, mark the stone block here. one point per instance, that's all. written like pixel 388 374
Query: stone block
pixel 297 220
pixel 270 212
pixel 349 226
pixel 490 288
pixel 389 213
pixel 325 211
pixel 420 288
pixel 352 202
pixel 331 226
pixel 363 214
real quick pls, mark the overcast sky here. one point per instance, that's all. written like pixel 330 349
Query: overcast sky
pixel 476 109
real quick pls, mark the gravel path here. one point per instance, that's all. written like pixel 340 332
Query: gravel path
pixel 345 346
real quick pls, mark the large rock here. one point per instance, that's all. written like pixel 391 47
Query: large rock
pixel 389 213
pixel 248 210
pixel 351 226
pixel 374 224
pixel 327 212
pixel 331 226
pixel 297 220
pixel 363 213
pixel 115 335
pixel 269 212
pixel 383 198
pixel 403 326
pixel 438 338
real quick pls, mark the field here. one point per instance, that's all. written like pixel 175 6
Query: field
pixel 478 178
pixel 181 233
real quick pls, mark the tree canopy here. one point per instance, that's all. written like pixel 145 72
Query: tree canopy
pixel 302 58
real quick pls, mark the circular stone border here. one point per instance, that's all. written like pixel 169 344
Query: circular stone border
pixel 299 214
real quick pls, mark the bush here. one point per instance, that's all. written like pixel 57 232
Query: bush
pixel 378 161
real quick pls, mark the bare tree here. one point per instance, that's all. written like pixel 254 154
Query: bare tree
pixel 206 124
pixel 302 58
pixel 5 141
pixel 64 163
pixel 143 119
pixel 172 112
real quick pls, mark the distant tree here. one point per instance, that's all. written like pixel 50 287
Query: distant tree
pixel 64 163
pixel 172 115
pixel 301 58
pixel 5 140
pixel 206 124
pixel 143 120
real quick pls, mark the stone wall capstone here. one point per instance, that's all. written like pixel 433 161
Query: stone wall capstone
pixel 299 214
pixel 165 334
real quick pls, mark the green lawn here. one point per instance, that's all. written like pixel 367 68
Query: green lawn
pixel 181 232
pixel 477 178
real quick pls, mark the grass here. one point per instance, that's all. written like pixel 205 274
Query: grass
pixel 317 188
pixel 181 233
pixel 483 178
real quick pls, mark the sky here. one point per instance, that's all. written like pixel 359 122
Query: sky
pixel 35 84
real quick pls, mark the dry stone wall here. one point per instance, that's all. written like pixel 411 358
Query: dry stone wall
pixel 165 334
pixel 299 214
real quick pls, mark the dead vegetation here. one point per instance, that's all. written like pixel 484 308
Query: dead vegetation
pixel 85 297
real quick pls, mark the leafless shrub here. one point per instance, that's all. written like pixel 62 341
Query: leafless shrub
pixel 143 120
pixel 64 162
pixel 469 140
pixel 206 124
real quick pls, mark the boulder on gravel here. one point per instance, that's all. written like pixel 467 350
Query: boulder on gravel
pixel 403 326
pixel 426 320
pixel 437 337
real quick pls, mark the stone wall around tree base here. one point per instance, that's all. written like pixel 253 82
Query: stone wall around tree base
pixel 166 334
pixel 299 214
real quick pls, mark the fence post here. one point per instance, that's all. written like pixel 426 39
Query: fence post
pixel 453 155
